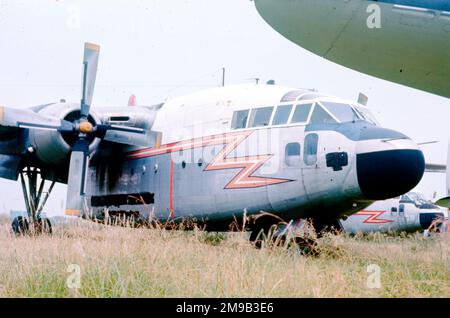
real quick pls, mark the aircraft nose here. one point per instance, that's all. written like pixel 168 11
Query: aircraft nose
pixel 389 168
pixel 427 218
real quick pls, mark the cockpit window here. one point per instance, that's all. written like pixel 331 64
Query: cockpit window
pixel 343 112
pixel 320 116
pixel 260 117
pixel 282 115
pixel 367 115
pixel 301 113
pixel 239 119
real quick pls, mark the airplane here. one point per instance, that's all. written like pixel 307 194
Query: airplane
pixel 410 212
pixel 402 41
pixel 212 157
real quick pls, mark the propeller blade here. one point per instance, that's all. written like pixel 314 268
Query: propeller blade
pixel 90 63
pixel 146 139
pixel 26 118
pixel 76 183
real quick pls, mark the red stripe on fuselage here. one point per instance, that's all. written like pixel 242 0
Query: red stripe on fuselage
pixel 230 142
pixel 172 213
pixel 373 219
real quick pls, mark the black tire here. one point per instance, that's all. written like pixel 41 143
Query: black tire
pixel 20 226
pixel 307 246
pixel 260 229
pixel 43 226
pixel 326 226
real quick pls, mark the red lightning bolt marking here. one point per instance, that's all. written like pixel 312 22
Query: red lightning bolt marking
pixel 249 164
pixel 373 219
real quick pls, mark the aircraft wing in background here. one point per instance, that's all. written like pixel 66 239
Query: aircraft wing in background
pixel 402 41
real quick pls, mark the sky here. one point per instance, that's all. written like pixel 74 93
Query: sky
pixel 160 49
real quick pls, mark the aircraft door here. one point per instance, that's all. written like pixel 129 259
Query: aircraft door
pixel 327 161
pixel 402 215
pixel 313 164
pixel 288 154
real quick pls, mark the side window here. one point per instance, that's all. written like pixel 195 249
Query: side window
pixel 292 154
pixel 239 119
pixel 401 209
pixel 282 115
pixel 310 150
pixel 320 116
pixel 301 113
pixel 393 210
pixel 260 117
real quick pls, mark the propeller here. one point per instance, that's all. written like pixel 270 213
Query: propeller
pixel 90 64
pixel 79 158
pixel 82 131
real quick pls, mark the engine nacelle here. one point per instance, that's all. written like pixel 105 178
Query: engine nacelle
pixel 54 147
pixel 139 117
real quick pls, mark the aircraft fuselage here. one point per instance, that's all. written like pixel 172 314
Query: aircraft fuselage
pixel 209 171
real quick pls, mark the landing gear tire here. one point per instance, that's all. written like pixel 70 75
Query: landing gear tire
pixel 307 246
pixel 326 226
pixel 43 226
pixel 260 230
pixel 20 226
pixel 268 232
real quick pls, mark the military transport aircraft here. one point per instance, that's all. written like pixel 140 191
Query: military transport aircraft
pixel 403 41
pixel 410 212
pixel 211 156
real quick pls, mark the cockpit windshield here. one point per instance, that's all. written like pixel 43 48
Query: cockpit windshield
pixel 367 115
pixel 343 112
pixel 349 113
pixel 418 199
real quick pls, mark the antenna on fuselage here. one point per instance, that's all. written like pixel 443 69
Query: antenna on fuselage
pixel 363 99
pixel 256 79
pixel 223 76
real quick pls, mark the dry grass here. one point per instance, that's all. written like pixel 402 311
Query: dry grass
pixel 124 262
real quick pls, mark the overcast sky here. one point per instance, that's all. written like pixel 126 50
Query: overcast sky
pixel 161 49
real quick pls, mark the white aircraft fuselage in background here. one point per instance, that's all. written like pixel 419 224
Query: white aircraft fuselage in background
pixel 408 213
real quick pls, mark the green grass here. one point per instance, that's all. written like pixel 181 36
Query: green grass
pixel 125 262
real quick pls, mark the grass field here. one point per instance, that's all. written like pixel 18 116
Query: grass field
pixel 125 262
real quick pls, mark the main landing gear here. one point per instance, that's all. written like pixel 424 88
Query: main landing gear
pixel 33 182
pixel 300 234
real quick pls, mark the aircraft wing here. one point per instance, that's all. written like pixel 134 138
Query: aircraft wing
pixel 402 41
pixel 444 202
